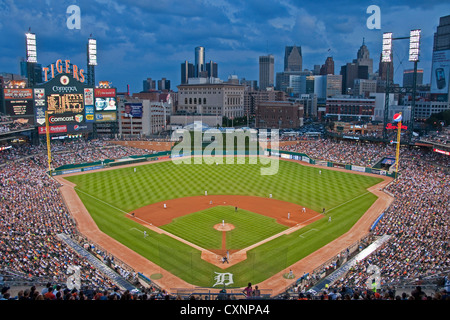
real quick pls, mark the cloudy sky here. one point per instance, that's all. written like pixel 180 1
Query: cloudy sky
pixel 151 38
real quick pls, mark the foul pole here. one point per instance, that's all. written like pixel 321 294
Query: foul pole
pixel 49 153
pixel 398 118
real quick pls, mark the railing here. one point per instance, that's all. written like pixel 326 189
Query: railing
pixel 322 271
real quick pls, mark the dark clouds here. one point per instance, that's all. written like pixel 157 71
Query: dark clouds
pixel 141 38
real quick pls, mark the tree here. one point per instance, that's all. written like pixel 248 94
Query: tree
pixel 439 120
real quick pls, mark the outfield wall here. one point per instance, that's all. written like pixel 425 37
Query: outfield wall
pixel 305 158
pixel 88 166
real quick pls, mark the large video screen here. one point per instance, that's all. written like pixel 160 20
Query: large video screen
pixel 105 104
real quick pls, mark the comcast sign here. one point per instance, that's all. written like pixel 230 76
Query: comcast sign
pixel 54 119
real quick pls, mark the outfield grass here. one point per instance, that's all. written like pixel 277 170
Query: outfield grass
pixel 108 195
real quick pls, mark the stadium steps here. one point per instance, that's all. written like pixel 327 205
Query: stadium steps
pixel 342 270
pixel 103 268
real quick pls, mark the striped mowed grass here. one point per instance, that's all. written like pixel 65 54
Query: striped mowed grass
pixel 109 195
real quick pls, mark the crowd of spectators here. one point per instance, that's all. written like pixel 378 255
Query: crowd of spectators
pixel 71 152
pixel 7 124
pixel 32 213
pixel 418 222
pixel 440 137
pixel 342 151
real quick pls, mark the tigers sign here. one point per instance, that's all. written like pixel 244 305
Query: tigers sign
pixel 65 66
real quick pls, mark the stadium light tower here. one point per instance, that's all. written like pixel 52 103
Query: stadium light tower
pixel 31 53
pixel 386 56
pixel 92 60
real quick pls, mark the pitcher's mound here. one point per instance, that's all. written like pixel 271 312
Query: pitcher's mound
pixel 224 227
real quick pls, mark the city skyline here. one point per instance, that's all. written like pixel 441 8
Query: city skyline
pixel 139 40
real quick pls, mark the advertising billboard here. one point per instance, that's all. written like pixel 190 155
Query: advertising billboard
pixel 105 99
pixel 134 110
pixel 65 118
pixel 105 116
pixel 19 104
pixel 105 92
pixel 53 129
pixel 13 94
pixel 89 113
pixel 89 96
pixel 440 72
pixel 67 128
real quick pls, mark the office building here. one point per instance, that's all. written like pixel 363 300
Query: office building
pixel 199 61
pixel 309 102
pixel 187 71
pixel 363 58
pixel 424 109
pixel 212 69
pixel 408 77
pixel 293 58
pixel 440 70
pixel 347 108
pixel 164 84
pixel 148 84
pixel 144 116
pixel 441 39
pixel 364 87
pixel 33 71
pixel 251 84
pixel 279 115
pixel 283 78
pixel 222 99
pixel 327 67
pixel 266 71
pixel 350 72
pixel 253 98
pixel 383 68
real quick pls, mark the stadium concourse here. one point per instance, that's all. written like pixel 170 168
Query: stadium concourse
pixel 34 261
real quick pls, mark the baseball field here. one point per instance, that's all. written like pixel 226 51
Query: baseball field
pixel 186 217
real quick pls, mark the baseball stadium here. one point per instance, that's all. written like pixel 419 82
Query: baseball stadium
pixel 128 220
pixel 109 195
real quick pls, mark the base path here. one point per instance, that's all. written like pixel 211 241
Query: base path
pixel 289 214
pixel 159 215
pixel 277 283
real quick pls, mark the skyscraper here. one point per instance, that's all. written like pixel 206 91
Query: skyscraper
pixel 266 71
pixel 363 57
pixel 440 70
pixel 350 72
pixel 163 84
pixel 212 69
pixel 187 71
pixel 328 67
pixel 442 35
pixel 383 70
pixel 408 77
pixel 293 58
pixel 199 60
pixel 148 84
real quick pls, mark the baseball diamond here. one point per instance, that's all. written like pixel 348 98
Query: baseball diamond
pixel 168 201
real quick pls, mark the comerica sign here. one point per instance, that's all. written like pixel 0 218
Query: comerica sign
pixel 65 66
